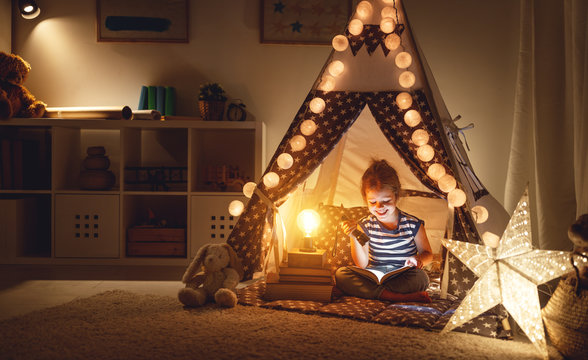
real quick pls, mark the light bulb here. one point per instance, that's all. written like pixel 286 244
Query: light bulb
pixel 436 171
pixel 317 105
pixel 387 25
pixel 412 118
pixel 403 60
pixel 271 179
pixel 364 9
pixel 420 137
pixel 298 142
pixel 447 183
pixel 340 43
pixel 355 27
pixel 404 100
pixel 388 11
pixel 285 161
pixel 425 153
pixel 236 207
pixel 480 214
pixel 456 197
pixel 327 83
pixel 249 188
pixel 308 221
pixel 406 79
pixel 392 42
pixel 490 239
pixel 308 127
pixel 336 67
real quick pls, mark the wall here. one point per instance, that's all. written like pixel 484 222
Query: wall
pixel 5 25
pixel 470 46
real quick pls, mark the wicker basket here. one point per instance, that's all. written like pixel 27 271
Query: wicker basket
pixel 566 319
pixel 211 110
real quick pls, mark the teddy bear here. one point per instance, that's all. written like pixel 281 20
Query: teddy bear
pixel 221 272
pixel 15 99
pixel 578 234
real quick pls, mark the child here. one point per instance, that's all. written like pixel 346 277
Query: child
pixel 395 239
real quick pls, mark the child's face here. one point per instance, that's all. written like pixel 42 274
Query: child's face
pixel 381 203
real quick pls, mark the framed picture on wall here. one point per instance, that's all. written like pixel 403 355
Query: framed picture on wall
pixel 313 22
pixel 142 20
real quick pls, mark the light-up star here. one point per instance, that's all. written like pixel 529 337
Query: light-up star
pixel 509 275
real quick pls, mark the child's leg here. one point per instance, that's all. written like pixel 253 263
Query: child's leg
pixel 408 286
pixel 353 284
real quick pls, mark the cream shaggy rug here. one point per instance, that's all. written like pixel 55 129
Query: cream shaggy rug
pixel 123 325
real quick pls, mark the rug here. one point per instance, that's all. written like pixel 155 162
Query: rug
pixel 124 325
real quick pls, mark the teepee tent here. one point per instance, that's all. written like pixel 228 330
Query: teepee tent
pixel 375 97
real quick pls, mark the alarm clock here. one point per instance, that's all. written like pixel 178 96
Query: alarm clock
pixel 236 111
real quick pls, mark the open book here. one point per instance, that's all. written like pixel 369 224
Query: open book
pixel 379 274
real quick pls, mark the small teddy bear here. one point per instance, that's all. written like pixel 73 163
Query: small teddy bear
pixel 15 99
pixel 578 234
pixel 222 271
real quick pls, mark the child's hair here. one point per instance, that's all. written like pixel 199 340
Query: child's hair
pixel 380 175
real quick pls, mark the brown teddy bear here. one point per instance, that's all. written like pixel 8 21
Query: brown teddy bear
pixel 222 271
pixel 578 234
pixel 15 99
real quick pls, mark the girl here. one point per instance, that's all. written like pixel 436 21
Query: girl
pixel 395 239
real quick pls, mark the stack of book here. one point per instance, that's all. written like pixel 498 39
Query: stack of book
pixel 304 277
pixel 160 98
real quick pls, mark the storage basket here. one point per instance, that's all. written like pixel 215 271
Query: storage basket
pixel 566 319
pixel 211 110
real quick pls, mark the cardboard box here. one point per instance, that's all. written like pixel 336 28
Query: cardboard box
pixel 317 259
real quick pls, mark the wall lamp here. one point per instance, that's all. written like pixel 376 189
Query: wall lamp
pixel 28 9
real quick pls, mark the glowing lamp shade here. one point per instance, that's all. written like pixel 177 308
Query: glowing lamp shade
pixel 392 42
pixel 327 83
pixel 388 12
pixel 404 100
pixel 340 43
pixel 28 9
pixel 364 9
pixel 420 137
pixel 308 127
pixel 317 105
pixel 406 79
pixel 387 25
pixel 480 214
pixel 285 161
pixel 403 60
pixel 336 68
pixel 425 153
pixel 271 180
pixel 308 221
pixel 490 239
pixel 355 27
pixel 249 188
pixel 297 143
pixel 236 208
pixel 447 183
pixel 412 118
pixel 456 197
pixel 436 171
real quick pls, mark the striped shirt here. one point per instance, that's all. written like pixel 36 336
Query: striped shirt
pixel 391 247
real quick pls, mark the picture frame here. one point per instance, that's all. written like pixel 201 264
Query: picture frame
pixel 142 21
pixel 311 22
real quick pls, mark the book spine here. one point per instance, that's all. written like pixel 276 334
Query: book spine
pixel 152 97
pixel 143 98
pixel 170 100
pixel 160 99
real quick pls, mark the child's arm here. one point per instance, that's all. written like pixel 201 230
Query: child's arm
pixel 359 250
pixel 425 254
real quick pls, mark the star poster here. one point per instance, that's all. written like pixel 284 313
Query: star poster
pixel 509 275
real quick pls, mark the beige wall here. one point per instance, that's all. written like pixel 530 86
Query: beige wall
pixel 470 46
pixel 5 24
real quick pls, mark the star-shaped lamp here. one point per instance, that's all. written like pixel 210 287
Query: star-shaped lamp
pixel 509 275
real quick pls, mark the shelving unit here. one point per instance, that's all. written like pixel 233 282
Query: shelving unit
pixel 45 218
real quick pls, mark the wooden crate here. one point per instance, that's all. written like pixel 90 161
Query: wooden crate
pixel 144 241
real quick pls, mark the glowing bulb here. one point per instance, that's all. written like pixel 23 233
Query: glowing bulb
pixel 236 207
pixel 392 42
pixel 420 137
pixel 404 100
pixel 447 183
pixel 317 105
pixel 425 153
pixel 436 171
pixel 480 214
pixel 387 25
pixel 456 197
pixel 336 68
pixel 308 127
pixel 490 239
pixel 285 161
pixel 340 43
pixel 308 220
pixel 249 188
pixel 327 83
pixel 388 12
pixel 364 9
pixel 28 8
pixel 355 27
pixel 298 142
pixel 406 79
pixel 271 179
pixel 412 118
pixel 403 60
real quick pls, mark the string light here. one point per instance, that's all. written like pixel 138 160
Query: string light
pixel 249 188
pixel 479 213
pixel 364 9
pixel 436 171
pixel 447 183
pixel 297 143
pixel 271 180
pixel 327 83
pixel 285 161
pixel 392 42
pixel 406 79
pixel 336 68
pixel 308 127
pixel 412 118
pixel 236 207
pixel 317 105
pixel 425 153
pixel 456 197
pixel 340 43
pixel 420 137
pixel 387 25
pixel 403 60
pixel 355 27
pixel 388 12
pixel 404 100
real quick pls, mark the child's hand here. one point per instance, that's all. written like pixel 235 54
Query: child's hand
pixel 347 227
pixel 414 261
